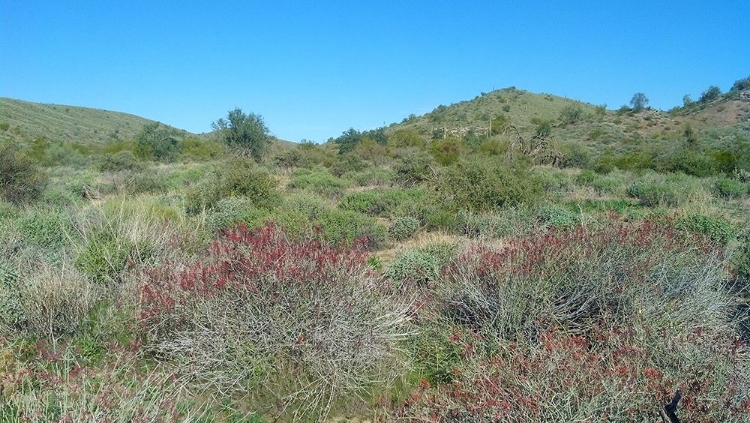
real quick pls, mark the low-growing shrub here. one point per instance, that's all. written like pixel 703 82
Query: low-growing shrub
pixel 553 181
pixel 145 182
pixel 485 185
pixel 371 177
pixel 413 268
pixel 655 194
pixel 236 177
pixel 21 181
pixel 343 226
pixel 234 210
pixel 123 235
pixel 309 205
pixel 105 257
pixel 414 169
pixel 730 188
pixel 586 325
pixel 382 202
pixel 404 227
pixel 11 310
pixel 122 160
pixel 318 181
pixel 260 303
pixel 557 216
pixel 45 229
pixel 491 225
pixel 714 227
pixel 577 156
pixel 569 277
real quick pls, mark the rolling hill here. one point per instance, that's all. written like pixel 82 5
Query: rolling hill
pixel 571 120
pixel 25 121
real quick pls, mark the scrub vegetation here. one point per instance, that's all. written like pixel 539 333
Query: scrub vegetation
pixel 515 257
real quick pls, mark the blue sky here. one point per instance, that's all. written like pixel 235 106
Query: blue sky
pixel 313 69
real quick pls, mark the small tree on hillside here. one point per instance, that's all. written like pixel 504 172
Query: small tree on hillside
pixel 157 141
pixel 639 102
pixel 245 131
pixel 741 84
pixel 712 93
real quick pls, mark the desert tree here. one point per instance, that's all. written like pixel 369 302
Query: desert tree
pixel 158 142
pixel 712 93
pixel 247 132
pixel 639 102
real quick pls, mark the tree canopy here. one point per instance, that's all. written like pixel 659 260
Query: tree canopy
pixel 639 102
pixel 157 141
pixel 245 131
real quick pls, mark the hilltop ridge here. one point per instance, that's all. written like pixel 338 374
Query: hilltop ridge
pixel 26 121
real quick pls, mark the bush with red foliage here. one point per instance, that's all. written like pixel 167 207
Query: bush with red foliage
pixel 260 304
pixel 588 324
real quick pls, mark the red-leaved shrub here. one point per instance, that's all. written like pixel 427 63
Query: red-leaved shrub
pixel 260 305
pixel 588 324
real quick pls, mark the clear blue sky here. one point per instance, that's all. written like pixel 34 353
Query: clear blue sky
pixel 313 69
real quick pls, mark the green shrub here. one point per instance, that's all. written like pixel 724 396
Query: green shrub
pixel 11 311
pixel 446 152
pixel 690 162
pixel 490 225
pixel 346 226
pixel 557 216
pixel 577 156
pixel 489 184
pixel 198 150
pixel 437 355
pixel 655 194
pixel 405 138
pixel 414 169
pixel 404 227
pixel 104 258
pixel 61 196
pixel 371 176
pixel 715 227
pixel 347 163
pixel 319 181
pixel 233 210
pixel 730 188
pixel 381 202
pixel 586 177
pixel 413 269
pixel 309 205
pixel 145 182
pixel 122 234
pixel 571 114
pixel 619 205
pixel 46 229
pixel 21 180
pixel 157 142
pixel 604 164
pixel 122 160
pixel 602 184
pixel 236 177
pixel 553 181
